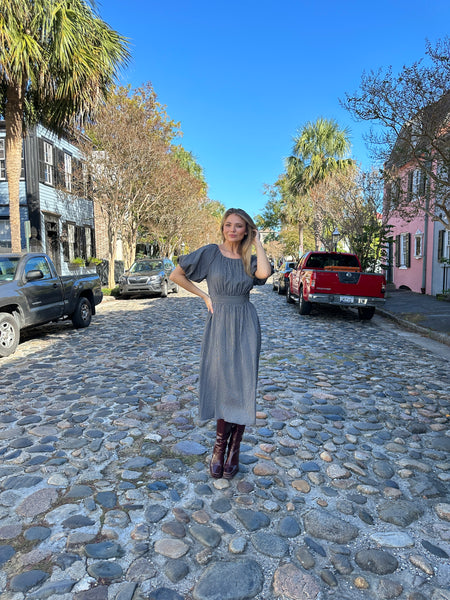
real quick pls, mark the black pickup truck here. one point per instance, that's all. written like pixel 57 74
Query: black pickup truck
pixel 32 293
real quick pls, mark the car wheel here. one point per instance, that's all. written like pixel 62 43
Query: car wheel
pixel 82 315
pixel 304 306
pixel 164 289
pixel 9 334
pixel 366 313
pixel 274 287
pixel 175 288
pixel 289 298
pixel 280 290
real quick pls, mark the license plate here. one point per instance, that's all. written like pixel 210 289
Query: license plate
pixel 347 299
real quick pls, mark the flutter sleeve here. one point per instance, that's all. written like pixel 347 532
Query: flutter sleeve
pixel 196 264
pixel 253 267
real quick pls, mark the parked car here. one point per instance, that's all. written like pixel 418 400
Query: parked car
pixel 32 293
pixel 280 278
pixel 335 278
pixel 148 276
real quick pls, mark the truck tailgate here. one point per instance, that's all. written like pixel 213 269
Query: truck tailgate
pixel 347 283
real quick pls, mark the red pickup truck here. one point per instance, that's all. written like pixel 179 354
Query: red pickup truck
pixel 334 278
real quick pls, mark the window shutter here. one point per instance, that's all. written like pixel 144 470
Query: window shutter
pixel 93 248
pixel 410 185
pixel 397 250
pixel 59 167
pixel 83 242
pixel 77 242
pixel 77 176
pixel 408 250
pixel 441 239
pixel 41 160
pixel 422 182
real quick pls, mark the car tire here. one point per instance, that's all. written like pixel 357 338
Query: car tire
pixel 365 313
pixel 164 289
pixel 175 288
pixel 9 334
pixel 289 298
pixel 82 315
pixel 304 306
pixel 280 291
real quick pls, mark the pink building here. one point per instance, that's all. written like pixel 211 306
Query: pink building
pixel 419 249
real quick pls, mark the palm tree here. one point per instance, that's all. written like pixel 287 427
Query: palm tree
pixel 319 150
pixel 58 61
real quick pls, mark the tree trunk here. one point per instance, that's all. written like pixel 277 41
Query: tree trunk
pixel 112 244
pixel 300 239
pixel 13 151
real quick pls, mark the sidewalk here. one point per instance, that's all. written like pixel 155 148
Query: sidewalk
pixel 420 313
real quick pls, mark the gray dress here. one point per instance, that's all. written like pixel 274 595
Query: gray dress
pixel 232 337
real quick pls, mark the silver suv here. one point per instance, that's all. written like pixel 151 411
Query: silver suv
pixel 148 276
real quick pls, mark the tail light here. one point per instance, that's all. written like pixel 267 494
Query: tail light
pixel 312 281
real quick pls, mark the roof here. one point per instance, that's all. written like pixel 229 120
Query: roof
pixel 427 129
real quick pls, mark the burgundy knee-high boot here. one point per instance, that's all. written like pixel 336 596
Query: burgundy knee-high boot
pixel 231 467
pixel 222 434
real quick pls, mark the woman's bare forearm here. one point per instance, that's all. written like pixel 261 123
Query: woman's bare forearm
pixel 263 268
pixel 178 276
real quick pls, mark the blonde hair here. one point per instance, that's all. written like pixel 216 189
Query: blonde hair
pixel 245 248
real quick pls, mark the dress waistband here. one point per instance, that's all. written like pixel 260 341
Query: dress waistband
pixel 230 299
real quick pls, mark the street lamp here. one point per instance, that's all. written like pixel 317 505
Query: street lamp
pixel 335 235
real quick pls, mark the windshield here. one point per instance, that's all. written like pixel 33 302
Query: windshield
pixel 8 268
pixel 322 261
pixel 146 265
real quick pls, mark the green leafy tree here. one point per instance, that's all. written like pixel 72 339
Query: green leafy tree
pixel 58 61
pixel 319 149
pixel 189 163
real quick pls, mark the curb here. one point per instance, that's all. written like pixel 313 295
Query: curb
pixel 443 338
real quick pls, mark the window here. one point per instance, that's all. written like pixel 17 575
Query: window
pixel 46 162
pixel 418 244
pixel 68 171
pixel 5 234
pixel 443 245
pixel 78 241
pixel 2 160
pixel 39 262
pixel 402 251
pixel 416 184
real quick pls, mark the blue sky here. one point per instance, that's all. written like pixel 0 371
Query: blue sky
pixel 242 77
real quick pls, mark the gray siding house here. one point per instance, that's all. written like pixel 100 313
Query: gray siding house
pixel 55 205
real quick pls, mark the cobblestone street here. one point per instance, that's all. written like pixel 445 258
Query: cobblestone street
pixel 343 487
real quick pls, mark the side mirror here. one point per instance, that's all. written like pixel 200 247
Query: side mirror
pixel 34 275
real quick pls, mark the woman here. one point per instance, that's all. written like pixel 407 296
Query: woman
pixel 232 338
